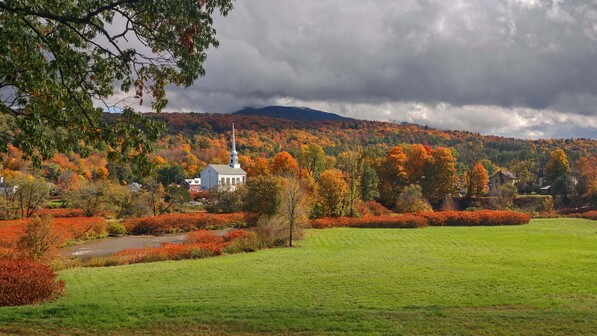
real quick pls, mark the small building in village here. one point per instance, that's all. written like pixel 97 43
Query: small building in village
pixel 500 178
pixel 224 177
pixel 6 189
pixel 192 185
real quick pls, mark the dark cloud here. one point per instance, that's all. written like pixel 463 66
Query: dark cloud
pixel 514 67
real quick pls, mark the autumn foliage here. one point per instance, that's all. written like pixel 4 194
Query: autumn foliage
pixel 62 213
pixel 199 244
pixel 590 215
pixel 27 282
pixel 75 228
pixel 176 222
pixel 398 221
pixel 475 218
pixel 422 219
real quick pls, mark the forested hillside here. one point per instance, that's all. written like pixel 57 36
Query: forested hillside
pixel 265 136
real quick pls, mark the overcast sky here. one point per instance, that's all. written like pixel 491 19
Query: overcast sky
pixel 523 68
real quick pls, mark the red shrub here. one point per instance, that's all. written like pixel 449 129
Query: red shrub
pixel 170 223
pixel 62 213
pixel 67 228
pixel 421 219
pixel 27 282
pixel 371 208
pixel 236 234
pixel 203 237
pixel 590 215
pixel 80 227
pixel 475 218
pixel 398 221
pixel 169 252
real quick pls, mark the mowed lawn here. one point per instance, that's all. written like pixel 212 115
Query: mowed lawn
pixel 536 279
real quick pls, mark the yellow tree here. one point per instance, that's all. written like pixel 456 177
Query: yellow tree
pixel 440 176
pixel 333 189
pixel 557 167
pixel 478 180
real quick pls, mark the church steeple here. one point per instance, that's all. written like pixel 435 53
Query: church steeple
pixel 234 154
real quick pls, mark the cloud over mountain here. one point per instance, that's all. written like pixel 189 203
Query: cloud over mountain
pixel 513 67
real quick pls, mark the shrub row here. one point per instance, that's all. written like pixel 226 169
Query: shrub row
pixel 475 218
pixel 590 215
pixel 199 244
pixel 396 221
pixel 27 282
pixel 75 228
pixel 422 219
pixel 171 223
pixel 61 213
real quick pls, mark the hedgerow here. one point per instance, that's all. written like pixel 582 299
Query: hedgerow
pixel 396 221
pixel 590 215
pixel 27 282
pixel 67 229
pixel 422 219
pixel 175 222
pixel 199 244
pixel 62 213
pixel 475 218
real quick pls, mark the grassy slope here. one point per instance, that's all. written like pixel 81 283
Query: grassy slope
pixel 535 279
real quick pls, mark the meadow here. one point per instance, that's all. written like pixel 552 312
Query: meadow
pixel 536 279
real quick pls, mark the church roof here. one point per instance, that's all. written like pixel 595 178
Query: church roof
pixel 227 170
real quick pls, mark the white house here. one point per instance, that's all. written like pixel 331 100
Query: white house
pixel 224 176
pixel 6 189
pixel 192 184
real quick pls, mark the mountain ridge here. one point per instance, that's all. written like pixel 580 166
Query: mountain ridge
pixel 291 113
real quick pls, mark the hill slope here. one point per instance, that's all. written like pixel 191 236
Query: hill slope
pixel 291 113
pixel 265 136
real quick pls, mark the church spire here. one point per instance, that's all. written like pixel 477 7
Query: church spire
pixel 234 154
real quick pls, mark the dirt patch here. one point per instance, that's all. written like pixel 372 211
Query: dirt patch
pixel 111 245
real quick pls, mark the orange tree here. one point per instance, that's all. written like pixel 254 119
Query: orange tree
pixel 478 180
pixel 440 176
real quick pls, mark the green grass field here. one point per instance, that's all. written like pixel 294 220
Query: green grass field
pixel 537 279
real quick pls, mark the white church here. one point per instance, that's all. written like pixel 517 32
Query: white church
pixel 224 177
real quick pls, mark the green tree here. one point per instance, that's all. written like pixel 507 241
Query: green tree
pixel 169 174
pixel 350 162
pixel 175 197
pixel 92 197
pixel 59 57
pixel 312 158
pixel 29 195
pixel 263 195
pixel 525 173
pixel 412 200
pixel 490 167
pixel 155 193
pixel 369 183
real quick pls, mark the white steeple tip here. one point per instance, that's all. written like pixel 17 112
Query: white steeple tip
pixel 234 154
